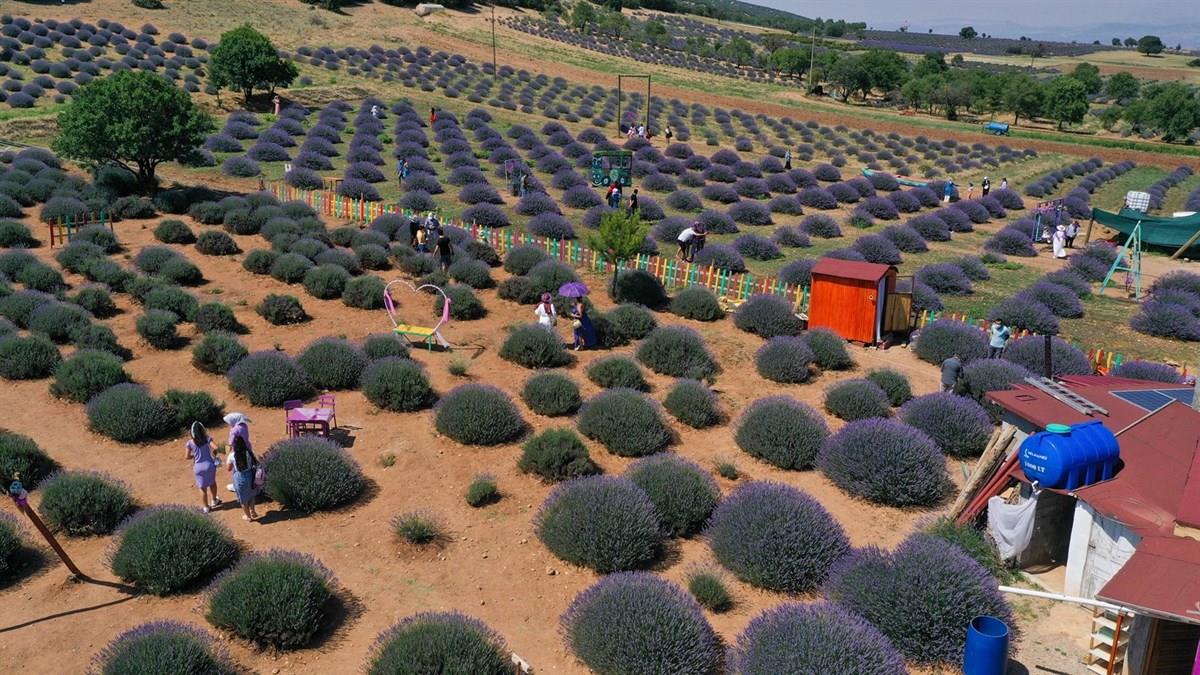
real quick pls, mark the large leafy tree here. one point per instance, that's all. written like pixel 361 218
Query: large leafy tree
pixel 1023 97
pixel 1122 86
pixel 245 60
pixel 134 119
pixel 968 33
pixel 1065 101
pixel 1172 110
pixel 1089 75
pixel 1150 45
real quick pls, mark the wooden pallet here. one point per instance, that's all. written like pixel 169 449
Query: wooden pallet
pixel 1106 648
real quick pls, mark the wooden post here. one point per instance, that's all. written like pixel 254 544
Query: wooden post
pixel 1087 237
pixel 1048 364
pixel 21 498
pixel 1186 245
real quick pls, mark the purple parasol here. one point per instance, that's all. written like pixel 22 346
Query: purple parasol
pixel 573 289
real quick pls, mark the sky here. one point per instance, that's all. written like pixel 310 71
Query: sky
pixel 1033 13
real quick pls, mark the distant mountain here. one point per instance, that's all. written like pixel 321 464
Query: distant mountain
pixel 1186 33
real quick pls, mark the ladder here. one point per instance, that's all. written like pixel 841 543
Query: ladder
pixel 1110 637
pixel 1066 396
pixel 1131 265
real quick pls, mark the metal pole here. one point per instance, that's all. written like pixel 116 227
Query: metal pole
pixel 647 105
pixel 619 118
pixel 1064 598
pixel 495 72
pixel 812 56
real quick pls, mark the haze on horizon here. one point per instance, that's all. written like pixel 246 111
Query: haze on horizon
pixel 1032 13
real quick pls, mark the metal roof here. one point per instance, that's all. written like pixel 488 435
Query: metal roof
pixel 851 269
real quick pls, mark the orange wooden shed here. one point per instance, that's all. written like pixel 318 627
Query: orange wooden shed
pixel 851 298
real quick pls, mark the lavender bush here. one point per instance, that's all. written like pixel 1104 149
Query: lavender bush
pixel 784 359
pixel 635 622
pixel 775 537
pixel 1065 358
pixel 782 431
pixel 682 493
pixel 857 399
pixel 958 425
pixel 163 647
pixel 812 638
pixel 1147 370
pixel 604 523
pixel 1022 312
pixel 943 338
pixel 927 572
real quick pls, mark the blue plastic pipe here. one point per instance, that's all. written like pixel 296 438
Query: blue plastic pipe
pixel 986 652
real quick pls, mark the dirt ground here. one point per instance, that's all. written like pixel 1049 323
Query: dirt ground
pixel 493 568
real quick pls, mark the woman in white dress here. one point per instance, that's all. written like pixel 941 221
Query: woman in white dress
pixel 1059 240
pixel 547 316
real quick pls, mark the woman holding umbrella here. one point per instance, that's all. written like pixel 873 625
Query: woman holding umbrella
pixel 584 331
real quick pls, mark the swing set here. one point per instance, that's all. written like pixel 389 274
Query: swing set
pixel 418 334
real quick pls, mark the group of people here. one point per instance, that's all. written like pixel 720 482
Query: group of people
pixel 986 185
pixel 952 368
pixel 613 197
pixel 583 332
pixel 427 234
pixel 638 132
pixel 1064 238
pixel 247 474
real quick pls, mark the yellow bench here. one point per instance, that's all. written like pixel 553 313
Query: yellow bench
pixel 425 334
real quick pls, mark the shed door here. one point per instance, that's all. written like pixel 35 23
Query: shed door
pixel 1109 547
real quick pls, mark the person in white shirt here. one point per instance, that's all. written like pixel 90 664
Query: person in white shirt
pixel 547 316
pixel 685 242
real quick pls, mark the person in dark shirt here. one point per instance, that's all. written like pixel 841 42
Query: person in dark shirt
pixel 444 249
pixel 633 202
pixel 952 369
pixel 413 225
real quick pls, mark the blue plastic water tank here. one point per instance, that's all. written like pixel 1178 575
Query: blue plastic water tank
pixel 1069 457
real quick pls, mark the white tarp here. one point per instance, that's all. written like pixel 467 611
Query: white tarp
pixel 1011 525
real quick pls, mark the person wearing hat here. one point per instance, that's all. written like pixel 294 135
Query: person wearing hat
pixel 998 336
pixel 547 316
pixel 1059 241
pixel 204 466
pixel 242 463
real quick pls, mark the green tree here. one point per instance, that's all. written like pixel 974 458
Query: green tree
pixel 245 59
pixel 933 63
pixel 739 50
pixel 1089 75
pixel 886 70
pixel 134 119
pixel 848 74
pixel 1131 42
pixel 1150 45
pixel 1110 116
pixel 1171 110
pixel 620 237
pixel 582 15
pixel 918 92
pixel 968 33
pixel 1023 97
pixel 1065 101
pixel 1116 42
pixel 1122 86
pixel 656 32
pixel 791 60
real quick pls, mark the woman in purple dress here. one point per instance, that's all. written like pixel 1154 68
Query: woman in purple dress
pixel 204 466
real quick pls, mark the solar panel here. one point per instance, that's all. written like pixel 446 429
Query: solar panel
pixel 1148 399
pixel 1184 396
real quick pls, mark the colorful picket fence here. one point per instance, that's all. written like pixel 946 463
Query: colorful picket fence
pixel 1102 360
pixel 61 231
pixel 673 273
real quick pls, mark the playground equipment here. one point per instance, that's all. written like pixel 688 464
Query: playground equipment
pixel 996 128
pixel 1129 257
pixel 612 166
pixel 422 334
pixel 1047 216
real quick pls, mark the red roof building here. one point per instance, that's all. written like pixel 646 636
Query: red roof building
pixel 1132 540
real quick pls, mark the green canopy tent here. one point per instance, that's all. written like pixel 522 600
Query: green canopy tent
pixel 1180 233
